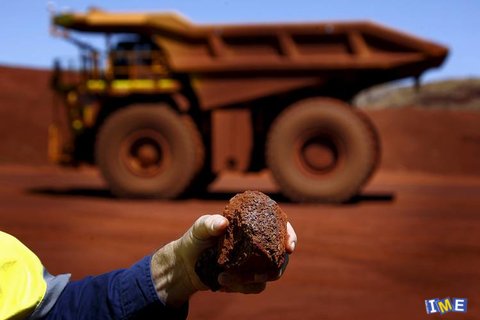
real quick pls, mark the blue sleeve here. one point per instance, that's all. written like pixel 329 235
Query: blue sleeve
pixel 121 294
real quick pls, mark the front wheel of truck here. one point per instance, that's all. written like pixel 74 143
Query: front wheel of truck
pixel 321 150
pixel 146 151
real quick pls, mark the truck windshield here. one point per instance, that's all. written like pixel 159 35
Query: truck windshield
pixel 135 57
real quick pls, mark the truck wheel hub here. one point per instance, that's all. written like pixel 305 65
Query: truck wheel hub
pixel 144 153
pixel 148 155
pixel 318 154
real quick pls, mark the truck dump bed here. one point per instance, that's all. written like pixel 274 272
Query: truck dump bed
pixel 301 46
pixel 245 57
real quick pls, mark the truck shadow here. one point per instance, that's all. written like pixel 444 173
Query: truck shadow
pixel 371 197
pixel 104 193
pixel 73 192
pixel 360 198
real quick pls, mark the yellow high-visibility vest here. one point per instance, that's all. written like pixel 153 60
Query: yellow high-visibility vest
pixel 22 285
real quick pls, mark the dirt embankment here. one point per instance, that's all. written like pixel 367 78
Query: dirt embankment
pixel 444 94
pixel 25 112
pixel 419 139
pixel 444 141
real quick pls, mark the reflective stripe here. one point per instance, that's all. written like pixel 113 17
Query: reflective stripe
pixel 22 286
pixel 135 84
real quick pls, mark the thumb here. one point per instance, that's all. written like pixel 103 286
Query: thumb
pixel 202 235
pixel 209 226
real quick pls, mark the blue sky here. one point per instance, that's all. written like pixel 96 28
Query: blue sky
pixel 26 40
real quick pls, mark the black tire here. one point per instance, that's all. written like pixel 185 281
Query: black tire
pixel 146 151
pixel 321 150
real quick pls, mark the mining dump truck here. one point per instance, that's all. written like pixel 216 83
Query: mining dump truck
pixel 168 105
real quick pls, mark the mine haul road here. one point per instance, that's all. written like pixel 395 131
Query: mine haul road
pixel 408 237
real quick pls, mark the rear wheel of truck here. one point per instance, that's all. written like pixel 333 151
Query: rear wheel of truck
pixel 146 152
pixel 321 150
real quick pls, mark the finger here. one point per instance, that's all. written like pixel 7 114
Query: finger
pixel 227 279
pixel 209 226
pixel 234 278
pixel 291 239
pixel 248 288
pixel 282 269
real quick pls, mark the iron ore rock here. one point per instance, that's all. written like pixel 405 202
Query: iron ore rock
pixel 254 241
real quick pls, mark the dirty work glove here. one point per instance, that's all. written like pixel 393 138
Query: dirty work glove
pixel 173 266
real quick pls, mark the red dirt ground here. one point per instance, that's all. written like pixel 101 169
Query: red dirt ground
pixel 413 234
pixel 409 237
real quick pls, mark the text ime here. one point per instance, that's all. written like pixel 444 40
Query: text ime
pixel 446 305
